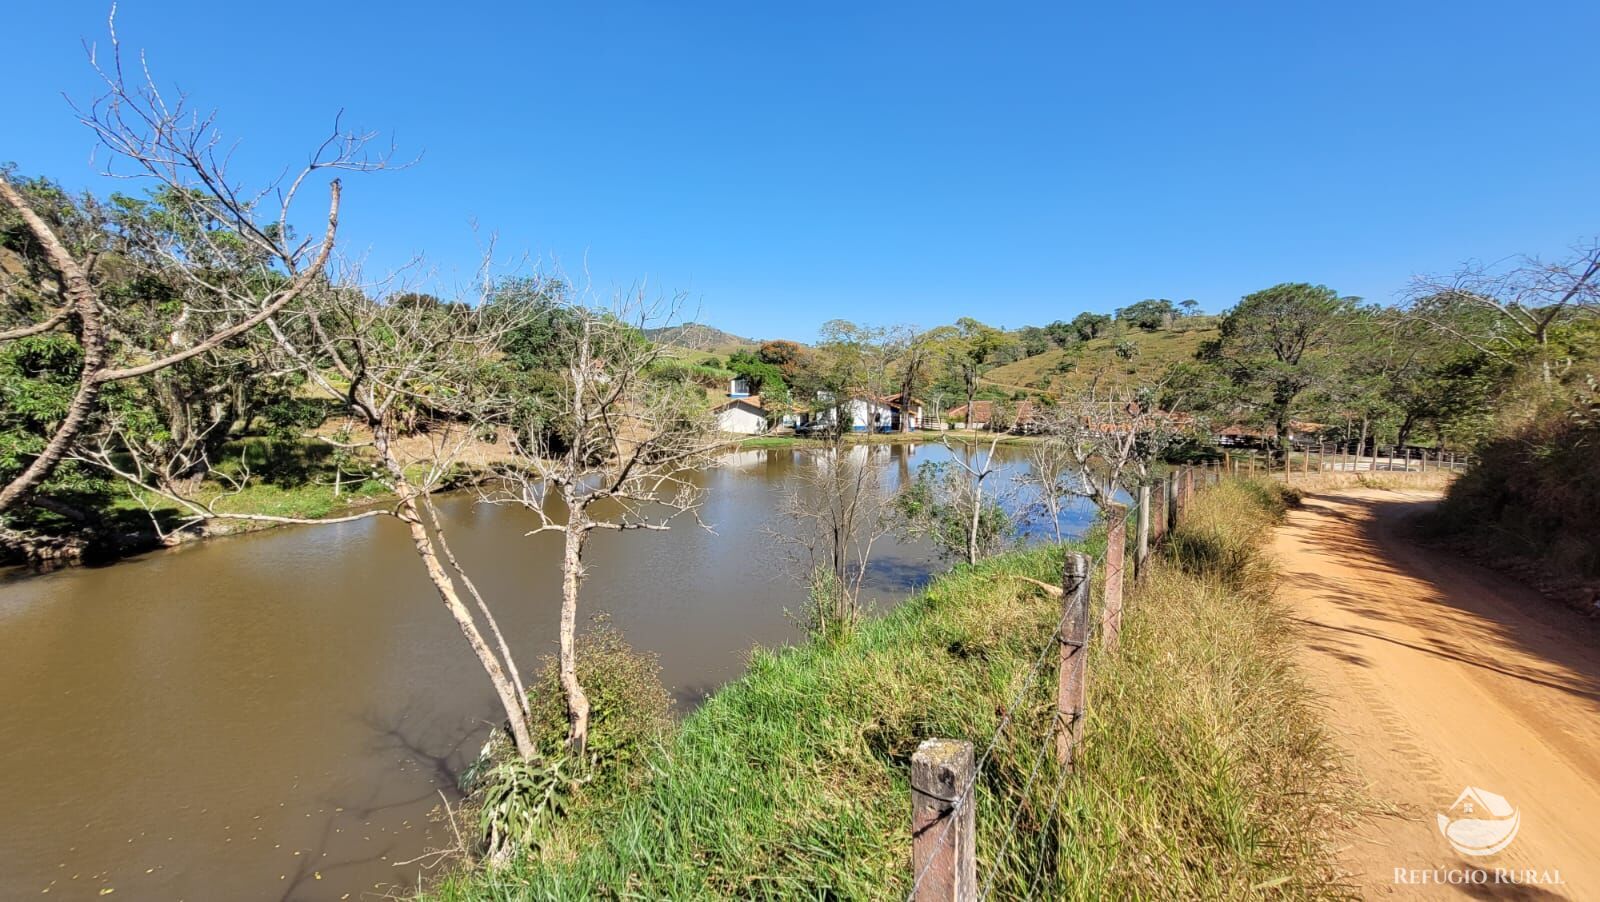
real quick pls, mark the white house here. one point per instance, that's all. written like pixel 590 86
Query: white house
pixel 869 414
pixel 744 416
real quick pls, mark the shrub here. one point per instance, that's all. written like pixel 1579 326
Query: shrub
pixel 1536 483
pixel 517 805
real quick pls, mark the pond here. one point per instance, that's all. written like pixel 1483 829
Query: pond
pixel 274 715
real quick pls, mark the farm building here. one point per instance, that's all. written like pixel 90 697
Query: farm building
pixel 744 416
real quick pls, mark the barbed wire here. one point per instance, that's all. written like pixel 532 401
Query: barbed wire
pixel 1038 867
pixel 964 797
pixel 1006 716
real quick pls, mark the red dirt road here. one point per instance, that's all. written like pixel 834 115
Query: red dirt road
pixel 1437 676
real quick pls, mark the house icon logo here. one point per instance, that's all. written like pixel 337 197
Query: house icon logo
pixel 1480 822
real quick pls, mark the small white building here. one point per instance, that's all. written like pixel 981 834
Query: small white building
pixel 869 414
pixel 744 416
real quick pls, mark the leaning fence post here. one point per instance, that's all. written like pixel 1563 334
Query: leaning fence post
pixel 943 860
pixel 1072 676
pixel 1116 555
pixel 1141 551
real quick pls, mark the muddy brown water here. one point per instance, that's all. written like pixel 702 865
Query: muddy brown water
pixel 273 716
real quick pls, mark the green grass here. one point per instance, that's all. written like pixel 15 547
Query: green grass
pixel 774 441
pixel 304 501
pixel 1157 351
pixel 1204 773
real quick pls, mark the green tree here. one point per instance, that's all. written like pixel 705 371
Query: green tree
pixel 1090 326
pixel 1148 315
pixel 966 348
pixel 1061 334
pixel 764 378
pixel 1277 343
pixel 1033 340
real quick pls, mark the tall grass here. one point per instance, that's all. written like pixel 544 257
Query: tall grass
pixel 1204 772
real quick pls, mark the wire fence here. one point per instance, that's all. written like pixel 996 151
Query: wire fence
pixel 947 868
pixel 965 796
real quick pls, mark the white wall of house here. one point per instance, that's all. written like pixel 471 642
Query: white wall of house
pixel 741 419
pixel 866 416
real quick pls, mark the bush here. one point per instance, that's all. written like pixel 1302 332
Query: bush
pixel 1536 485
pixel 517 805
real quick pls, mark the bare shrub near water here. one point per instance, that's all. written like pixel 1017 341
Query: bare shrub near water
pixel 830 520
pixel 959 505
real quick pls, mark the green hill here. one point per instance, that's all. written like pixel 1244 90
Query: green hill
pixel 1063 371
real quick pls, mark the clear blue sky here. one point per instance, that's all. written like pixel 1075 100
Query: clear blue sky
pixel 789 164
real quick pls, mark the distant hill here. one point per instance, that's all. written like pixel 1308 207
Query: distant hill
pixel 699 337
pixel 1062 371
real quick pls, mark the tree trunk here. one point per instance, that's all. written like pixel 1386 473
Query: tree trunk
pixel 408 513
pixel 1361 444
pixel 571 578
pixel 1406 425
pixel 972 392
pixel 1281 423
pixel 972 527
pixel 81 299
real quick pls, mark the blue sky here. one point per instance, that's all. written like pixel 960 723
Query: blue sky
pixel 915 163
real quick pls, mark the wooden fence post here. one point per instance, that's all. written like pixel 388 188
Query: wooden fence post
pixel 1072 676
pixel 944 865
pixel 1142 550
pixel 1116 555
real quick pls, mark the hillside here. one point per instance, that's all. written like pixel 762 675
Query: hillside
pixel 1066 370
pixel 698 337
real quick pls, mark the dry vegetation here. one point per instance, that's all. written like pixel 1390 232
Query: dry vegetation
pixel 1067 371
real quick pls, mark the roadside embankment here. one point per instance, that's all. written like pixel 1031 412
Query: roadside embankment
pixel 1204 772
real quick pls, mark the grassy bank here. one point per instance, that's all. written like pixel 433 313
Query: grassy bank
pixel 1203 773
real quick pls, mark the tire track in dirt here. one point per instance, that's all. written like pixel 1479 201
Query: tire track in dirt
pixel 1438 675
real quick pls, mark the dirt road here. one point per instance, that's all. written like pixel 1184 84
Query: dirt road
pixel 1439 676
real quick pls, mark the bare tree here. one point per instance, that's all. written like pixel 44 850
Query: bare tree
pixel 835 513
pixel 1105 441
pixel 183 153
pixel 616 446
pixel 949 504
pixel 1050 473
pixel 389 365
pixel 1499 309
pixel 913 349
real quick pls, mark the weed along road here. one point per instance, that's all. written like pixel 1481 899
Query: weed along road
pixel 1468 704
